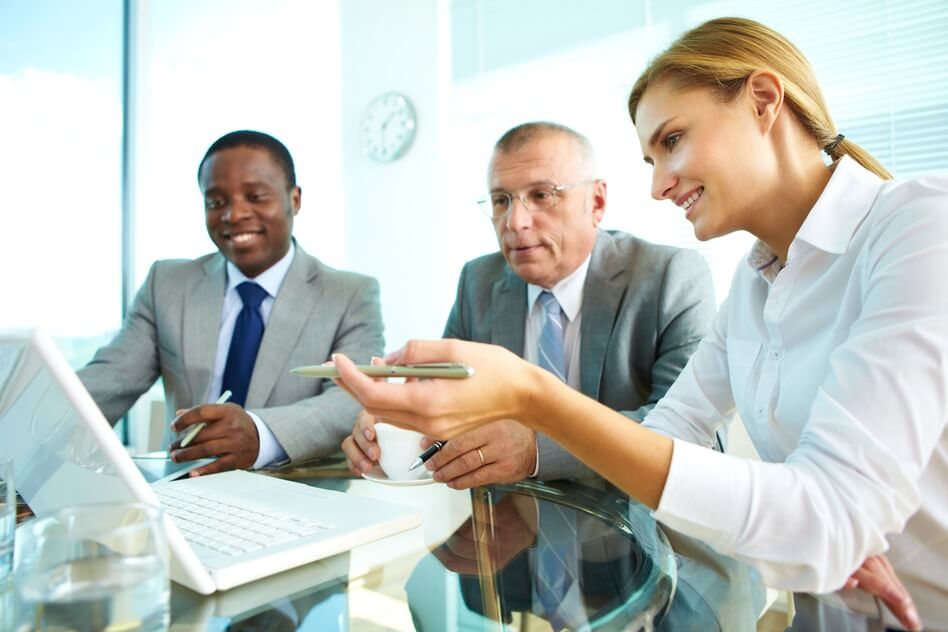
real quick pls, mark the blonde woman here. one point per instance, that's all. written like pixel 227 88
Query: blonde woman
pixel 832 345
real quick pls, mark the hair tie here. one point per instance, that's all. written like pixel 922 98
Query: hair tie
pixel 830 147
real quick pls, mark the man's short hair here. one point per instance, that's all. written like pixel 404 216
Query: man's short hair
pixel 250 138
pixel 517 137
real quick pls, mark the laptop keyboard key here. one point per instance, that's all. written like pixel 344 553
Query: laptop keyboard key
pixel 230 529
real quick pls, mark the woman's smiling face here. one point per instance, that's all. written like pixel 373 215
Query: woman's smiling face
pixel 709 157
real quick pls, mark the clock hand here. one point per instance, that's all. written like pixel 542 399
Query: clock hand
pixel 387 121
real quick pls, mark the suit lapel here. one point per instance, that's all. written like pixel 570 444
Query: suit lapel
pixel 508 312
pixel 298 295
pixel 201 326
pixel 602 294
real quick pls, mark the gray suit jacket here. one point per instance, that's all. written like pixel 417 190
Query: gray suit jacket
pixel 172 330
pixel 645 308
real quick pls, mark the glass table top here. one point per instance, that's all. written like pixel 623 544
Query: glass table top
pixel 526 556
pixel 529 556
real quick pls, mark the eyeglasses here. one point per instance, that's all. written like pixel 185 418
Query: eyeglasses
pixel 535 199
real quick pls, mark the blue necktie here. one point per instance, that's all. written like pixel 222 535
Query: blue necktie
pixel 556 557
pixel 248 332
pixel 551 356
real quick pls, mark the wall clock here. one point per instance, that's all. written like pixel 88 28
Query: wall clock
pixel 388 127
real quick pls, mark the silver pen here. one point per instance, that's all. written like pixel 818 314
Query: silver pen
pixel 197 428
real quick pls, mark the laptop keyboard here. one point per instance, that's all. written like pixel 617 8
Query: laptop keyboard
pixel 210 521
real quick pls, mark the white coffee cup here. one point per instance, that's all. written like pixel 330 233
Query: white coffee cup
pixel 399 448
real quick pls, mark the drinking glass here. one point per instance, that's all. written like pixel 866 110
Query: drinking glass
pixel 94 567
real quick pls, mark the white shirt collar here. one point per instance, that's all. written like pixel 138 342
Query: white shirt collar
pixel 831 223
pixel 270 279
pixel 568 292
pixel 841 207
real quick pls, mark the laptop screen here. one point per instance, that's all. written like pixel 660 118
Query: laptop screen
pixel 64 451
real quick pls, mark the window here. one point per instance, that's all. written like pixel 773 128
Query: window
pixel 208 68
pixel 883 67
pixel 61 124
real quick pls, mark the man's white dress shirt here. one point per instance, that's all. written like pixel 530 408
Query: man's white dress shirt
pixel 270 280
pixel 838 365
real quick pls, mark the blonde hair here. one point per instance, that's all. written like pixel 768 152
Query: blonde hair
pixel 720 54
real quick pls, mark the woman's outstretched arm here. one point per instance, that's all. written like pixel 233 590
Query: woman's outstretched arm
pixel 506 387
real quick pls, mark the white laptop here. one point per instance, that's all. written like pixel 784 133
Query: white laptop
pixel 223 530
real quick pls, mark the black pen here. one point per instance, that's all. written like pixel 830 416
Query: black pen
pixel 427 454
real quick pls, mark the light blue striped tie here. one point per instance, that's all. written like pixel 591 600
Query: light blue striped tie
pixel 551 356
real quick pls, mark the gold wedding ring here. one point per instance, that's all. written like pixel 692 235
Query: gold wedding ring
pixel 481 454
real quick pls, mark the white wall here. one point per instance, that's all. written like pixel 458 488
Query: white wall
pixel 208 68
pixel 392 211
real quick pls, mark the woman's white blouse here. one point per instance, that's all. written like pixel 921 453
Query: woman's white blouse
pixel 838 367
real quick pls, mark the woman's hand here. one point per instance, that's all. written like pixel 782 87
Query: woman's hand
pixel 502 387
pixel 877 577
pixel 635 459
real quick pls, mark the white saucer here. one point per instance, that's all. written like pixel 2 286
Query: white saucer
pixel 376 475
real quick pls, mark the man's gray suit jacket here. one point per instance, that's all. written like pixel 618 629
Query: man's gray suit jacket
pixel 172 330
pixel 645 308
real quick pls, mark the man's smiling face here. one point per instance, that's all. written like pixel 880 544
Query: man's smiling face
pixel 249 207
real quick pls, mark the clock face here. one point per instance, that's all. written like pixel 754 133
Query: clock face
pixel 388 127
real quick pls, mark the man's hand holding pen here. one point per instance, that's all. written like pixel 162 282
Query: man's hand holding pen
pixel 500 452
pixel 228 433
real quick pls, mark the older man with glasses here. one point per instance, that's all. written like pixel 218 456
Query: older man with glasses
pixel 612 315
